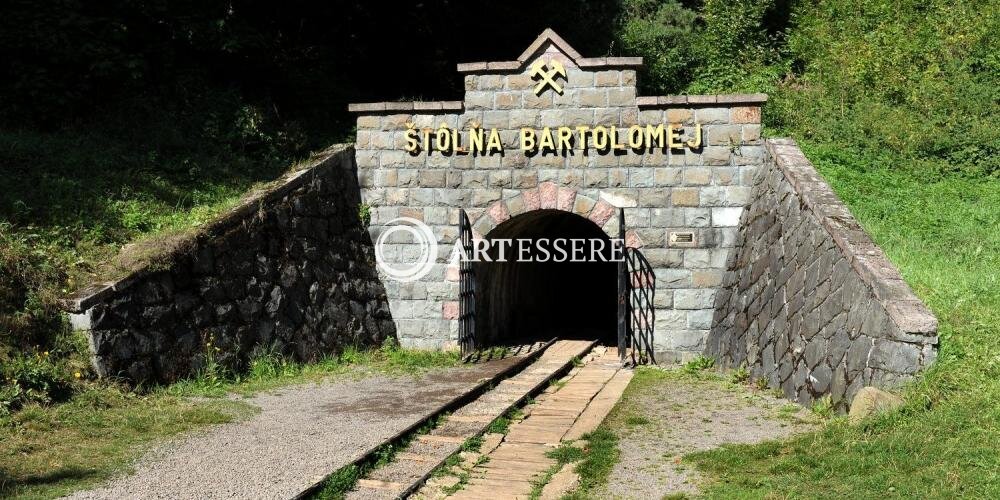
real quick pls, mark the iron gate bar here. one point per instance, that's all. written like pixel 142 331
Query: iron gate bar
pixel 466 290
pixel 636 289
pixel 622 289
pixel 641 314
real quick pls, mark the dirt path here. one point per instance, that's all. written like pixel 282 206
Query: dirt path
pixel 664 415
pixel 301 434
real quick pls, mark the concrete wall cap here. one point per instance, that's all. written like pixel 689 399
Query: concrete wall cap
pixel 396 106
pixel 700 100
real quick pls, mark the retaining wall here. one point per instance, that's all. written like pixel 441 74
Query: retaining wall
pixel 808 301
pixel 290 270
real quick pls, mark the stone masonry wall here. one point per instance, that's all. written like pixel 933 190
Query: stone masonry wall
pixel 702 190
pixel 809 303
pixel 290 270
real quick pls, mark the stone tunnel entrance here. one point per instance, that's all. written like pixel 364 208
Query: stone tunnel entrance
pixel 536 299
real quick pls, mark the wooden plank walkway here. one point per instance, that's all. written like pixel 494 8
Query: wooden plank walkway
pixel 567 413
pixel 411 468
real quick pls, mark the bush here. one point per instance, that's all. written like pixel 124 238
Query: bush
pixel 918 78
pixel 31 378
pixel 663 33
pixel 739 46
pixel 29 266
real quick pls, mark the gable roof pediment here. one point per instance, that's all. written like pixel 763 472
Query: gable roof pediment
pixel 546 41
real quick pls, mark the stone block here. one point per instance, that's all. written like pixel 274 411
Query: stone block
pixel 700 319
pixel 684 197
pixel 716 155
pixel 507 100
pixel 478 100
pixel 871 401
pixel 697 258
pixel 609 78
pixel 669 320
pixel 641 177
pixel 531 101
pixel 672 278
pixel 694 299
pixel 666 176
pixel 488 82
pixel 746 114
pixel 706 278
pixel 697 176
pixel 725 135
pixel 726 216
pixel 621 97
pixel 431 178
pixel 524 118
pixel 500 179
pixel 751 134
pixel 708 116
pixel 681 116
pixel 590 98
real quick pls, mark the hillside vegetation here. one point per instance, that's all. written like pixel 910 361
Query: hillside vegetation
pixel 123 121
pixel 170 112
pixel 896 103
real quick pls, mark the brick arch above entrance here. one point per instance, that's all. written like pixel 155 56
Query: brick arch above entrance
pixel 550 196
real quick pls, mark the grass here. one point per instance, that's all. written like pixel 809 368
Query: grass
pixel 47 451
pixel 943 233
pixel 269 370
pixel 502 423
pixel 600 454
pixel 565 454
pixel 70 200
pixel 599 457
pixel 698 364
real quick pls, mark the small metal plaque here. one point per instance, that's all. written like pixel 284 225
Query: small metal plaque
pixel 681 237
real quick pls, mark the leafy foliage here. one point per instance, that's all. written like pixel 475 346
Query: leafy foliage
pixel 662 32
pixel 917 78
pixel 698 364
pixel 30 379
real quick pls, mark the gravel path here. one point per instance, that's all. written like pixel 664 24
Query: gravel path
pixel 665 416
pixel 301 434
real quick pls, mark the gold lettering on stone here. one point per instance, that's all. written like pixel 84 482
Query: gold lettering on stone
pixel 639 138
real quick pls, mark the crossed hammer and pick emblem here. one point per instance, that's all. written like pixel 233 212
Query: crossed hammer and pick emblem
pixel 547 74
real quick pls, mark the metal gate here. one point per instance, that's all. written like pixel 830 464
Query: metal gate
pixel 466 289
pixel 636 316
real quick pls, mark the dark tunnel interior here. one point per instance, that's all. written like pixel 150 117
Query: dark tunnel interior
pixel 524 301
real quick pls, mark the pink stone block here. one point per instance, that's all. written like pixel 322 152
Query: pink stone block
pixel 549 194
pixel 451 273
pixel 632 239
pixel 601 213
pixel 449 310
pixel 567 197
pixel 498 212
pixel 532 200
pixel 746 114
